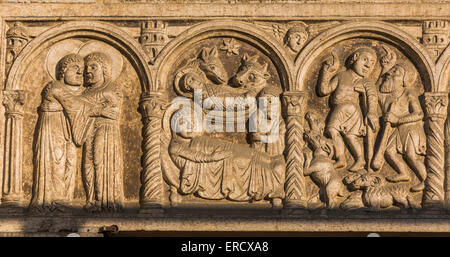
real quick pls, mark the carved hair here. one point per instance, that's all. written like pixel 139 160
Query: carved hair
pixel 61 66
pixel 104 60
pixel 355 55
pixel 296 29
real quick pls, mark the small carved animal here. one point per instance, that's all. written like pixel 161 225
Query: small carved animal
pixel 376 195
pixel 321 167
pixel 209 62
pixel 251 74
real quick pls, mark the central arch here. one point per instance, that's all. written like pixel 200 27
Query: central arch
pixel 240 30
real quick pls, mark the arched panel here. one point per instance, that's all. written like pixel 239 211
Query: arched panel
pixel 381 31
pixel 94 30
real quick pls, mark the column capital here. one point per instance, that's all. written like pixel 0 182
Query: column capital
pixel 14 100
pixel 436 105
pixel 152 104
pixel 294 102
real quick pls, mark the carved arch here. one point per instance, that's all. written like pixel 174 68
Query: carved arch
pixel 105 32
pixel 367 29
pixel 442 76
pixel 237 29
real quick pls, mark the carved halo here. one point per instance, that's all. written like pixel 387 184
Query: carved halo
pixel 58 51
pixel 97 46
pixel 63 48
pixel 179 75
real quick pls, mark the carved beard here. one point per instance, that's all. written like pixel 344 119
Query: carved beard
pixel 387 86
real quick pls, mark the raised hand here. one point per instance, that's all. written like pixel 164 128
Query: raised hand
pixel 331 64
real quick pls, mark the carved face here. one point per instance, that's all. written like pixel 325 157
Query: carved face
pixel 212 66
pixel 296 40
pixel 393 79
pixel 191 82
pixel 73 74
pixel 251 74
pixel 94 73
pixel 364 63
pixel 313 139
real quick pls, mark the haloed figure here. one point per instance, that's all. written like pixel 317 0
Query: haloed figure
pixel 54 151
pixel 102 152
pixel 401 108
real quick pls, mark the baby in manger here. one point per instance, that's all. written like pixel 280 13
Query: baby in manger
pixel 215 169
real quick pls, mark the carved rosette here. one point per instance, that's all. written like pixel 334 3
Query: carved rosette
pixel 295 188
pixel 12 193
pixel 151 108
pixel 436 111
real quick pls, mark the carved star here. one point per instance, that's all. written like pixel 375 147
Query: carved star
pixel 230 46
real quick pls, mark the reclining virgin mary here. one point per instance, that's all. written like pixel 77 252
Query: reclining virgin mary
pixel 210 168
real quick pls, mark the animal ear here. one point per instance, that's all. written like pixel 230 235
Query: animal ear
pixel 329 149
pixel 326 147
pixel 245 58
pixel 214 52
pixel 253 59
pixel 265 73
pixel 204 54
pixel 376 181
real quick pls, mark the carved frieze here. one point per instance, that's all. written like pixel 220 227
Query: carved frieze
pixel 292 116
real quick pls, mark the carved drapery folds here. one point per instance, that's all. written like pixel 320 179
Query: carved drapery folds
pixel 151 108
pixel 12 192
pixel 436 111
pixel 361 95
pixel 294 106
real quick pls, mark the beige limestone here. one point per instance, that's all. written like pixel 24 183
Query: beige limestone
pixel 360 137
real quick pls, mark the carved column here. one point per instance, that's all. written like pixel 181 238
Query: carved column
pixel 294 106
pixel 12 167
pixel 447 162
pixel 151 108
pixel 436 112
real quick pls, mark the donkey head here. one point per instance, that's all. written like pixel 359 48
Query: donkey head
pixel 251 74
pixel 210 63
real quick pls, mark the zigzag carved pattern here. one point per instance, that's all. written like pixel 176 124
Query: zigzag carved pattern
pixel 295 183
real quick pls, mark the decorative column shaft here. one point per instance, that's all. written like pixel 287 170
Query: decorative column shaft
pixel 12 193
pixel 436 112
pixel 151 108
pixel 295 188
pixel 447 162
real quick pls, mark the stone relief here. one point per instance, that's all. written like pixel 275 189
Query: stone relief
pixel 81 107
pixel 296 34
pixel 375 116
pixel 362 134
pixel 16 39
pixel 212 168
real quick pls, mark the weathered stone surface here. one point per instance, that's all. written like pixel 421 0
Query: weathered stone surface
pixel 231 115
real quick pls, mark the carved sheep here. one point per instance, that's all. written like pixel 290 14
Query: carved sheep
pixel 377 195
